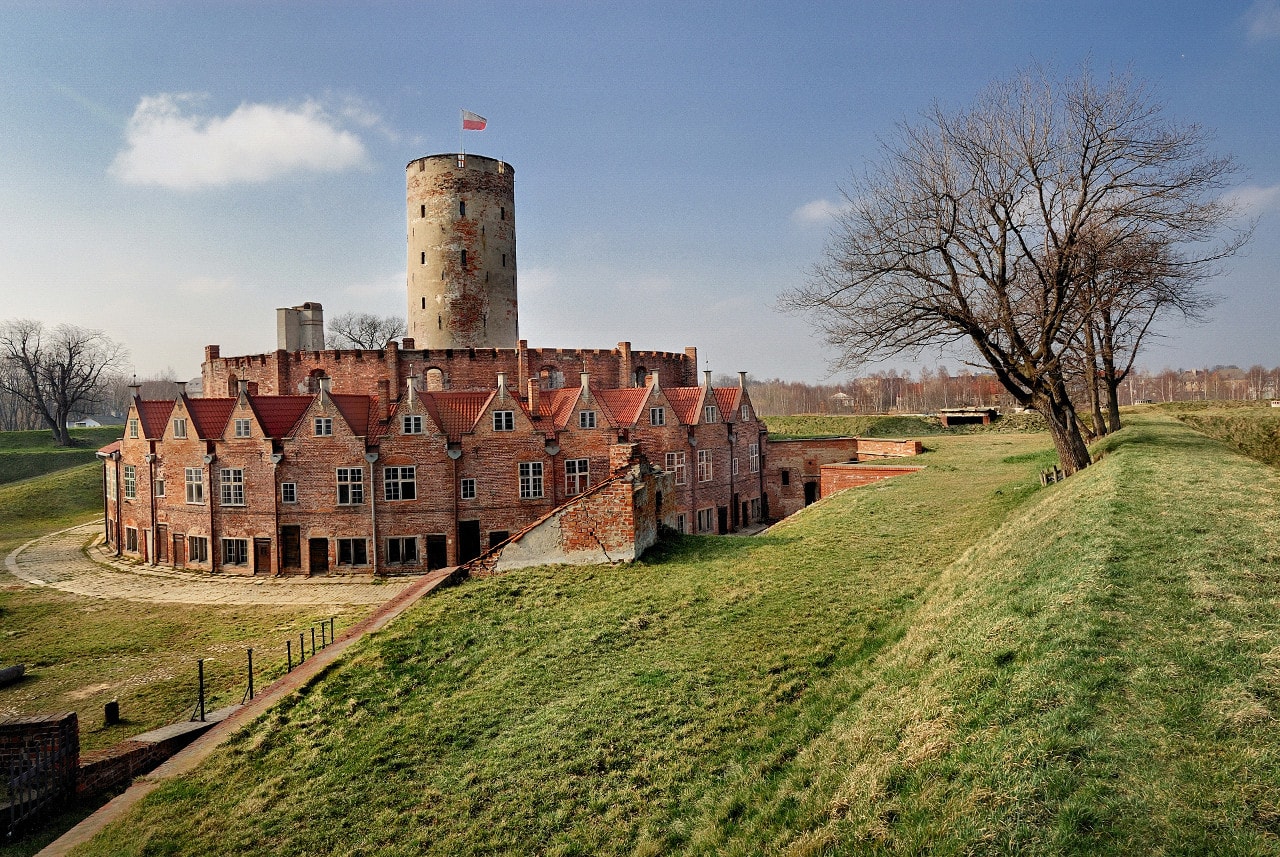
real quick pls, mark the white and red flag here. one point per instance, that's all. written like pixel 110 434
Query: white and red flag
pixel 473 121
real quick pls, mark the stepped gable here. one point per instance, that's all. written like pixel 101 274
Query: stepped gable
pixel 685 401
pixel 456 411
pixel 622 406
pixel 154 414
pixel 279 415
pixel 210 415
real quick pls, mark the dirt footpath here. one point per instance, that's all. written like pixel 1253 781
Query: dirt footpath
pixel 63 561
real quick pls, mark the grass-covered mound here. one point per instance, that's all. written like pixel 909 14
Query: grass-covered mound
pixel 956 661
pixel 24 454
pixel 1253 429
pixel 890 425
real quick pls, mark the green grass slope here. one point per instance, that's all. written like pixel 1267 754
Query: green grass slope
pixel 956 661
pixel 25 454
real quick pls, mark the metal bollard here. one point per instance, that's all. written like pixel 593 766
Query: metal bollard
pixel 323 629
pixel 288 653
pixel 251 673
pixel 313 641
pixel 202 690
pixel 302 650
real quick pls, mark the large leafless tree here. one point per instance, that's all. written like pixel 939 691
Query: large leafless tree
pixel 57 372
pixel 969 229
pixel 364 330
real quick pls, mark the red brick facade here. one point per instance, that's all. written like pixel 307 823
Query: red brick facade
pixel 795 472
pixel 352 482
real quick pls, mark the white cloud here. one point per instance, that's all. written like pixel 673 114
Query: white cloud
pixel 1263 19
pixel 256 142
pixel 1251 200
pixel 818 211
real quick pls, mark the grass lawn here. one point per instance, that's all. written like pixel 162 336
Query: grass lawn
pixel 890 425
pixel 83 652
pixel 24 454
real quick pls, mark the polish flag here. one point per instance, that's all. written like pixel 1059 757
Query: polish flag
pixel 472 121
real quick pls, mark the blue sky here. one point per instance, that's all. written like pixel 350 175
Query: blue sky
pixel 171 173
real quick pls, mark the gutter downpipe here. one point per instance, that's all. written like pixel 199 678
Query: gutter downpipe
pixel 371 457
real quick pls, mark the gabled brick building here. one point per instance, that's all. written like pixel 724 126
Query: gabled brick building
pixel 328 482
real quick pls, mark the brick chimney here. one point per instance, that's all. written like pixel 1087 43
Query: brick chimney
pixel 534 396
pixel 384 396
pixel 502 385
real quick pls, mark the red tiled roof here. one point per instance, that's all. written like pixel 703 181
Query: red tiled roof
pixel 623 405
pixel 557 405
pixel 279 414
pixel 685 401
pixel 355 409
pixel 154 414
pixel 727 400
pixel 114 446
pixel 456 411
pixel 210 415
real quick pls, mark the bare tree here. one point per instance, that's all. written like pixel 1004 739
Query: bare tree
pixel 968 228
pixel 364 330
pixel 57 372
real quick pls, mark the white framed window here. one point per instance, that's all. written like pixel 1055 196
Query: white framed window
pixel 681 524
pixel 711 414
pixel 467 489
pixel 402 550
pixel 197 549
pixel 706 520
pixel 676 465
pixel 753 457
pixel 577 475
pixel 288 492
pixel 158 488
pixel 350 486
pixel 133 428
pixel 235 551
pixel 323 426
pixel 744 413
pixel 195 484
pixel 411 424
pixel 179 427
pixel 504 420
pixel 705 470
pixel 242 428
pixel 399 483
pixel 353 552
pixel 734 465
pixel 586 419
pixel 658 416
pixel 232 481
pixel 131 539
pixel 130 482
pixel 530 480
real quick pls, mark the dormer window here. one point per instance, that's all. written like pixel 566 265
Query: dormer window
pixel 242 428
pixel 133 428
pixel 504 420
pixel 179 427
pixel 586 419
pixel 323 426
pixel 411 424
pixel 711 414
pixel 657 416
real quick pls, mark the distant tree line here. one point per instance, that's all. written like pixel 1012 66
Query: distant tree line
pixel 930 390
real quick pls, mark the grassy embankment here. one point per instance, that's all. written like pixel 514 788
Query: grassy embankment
pixel 1252 428
pixel 956 661
pixel 24 454
pixel 890 426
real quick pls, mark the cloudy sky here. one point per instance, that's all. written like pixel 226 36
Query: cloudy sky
pixel 171 173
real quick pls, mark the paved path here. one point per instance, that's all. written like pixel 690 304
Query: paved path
pixel 189 758
pixel 66 561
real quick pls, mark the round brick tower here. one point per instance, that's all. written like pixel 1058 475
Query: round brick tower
pixel 462 252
